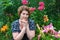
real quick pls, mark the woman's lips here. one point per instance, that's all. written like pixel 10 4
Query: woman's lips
pixel 25 18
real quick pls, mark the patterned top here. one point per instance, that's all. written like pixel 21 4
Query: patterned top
pixel 15 27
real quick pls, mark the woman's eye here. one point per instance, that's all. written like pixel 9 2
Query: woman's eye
pixel 27 14
pixel 23 13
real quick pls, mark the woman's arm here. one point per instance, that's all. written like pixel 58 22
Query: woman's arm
pixel 19 36
pixel 30 33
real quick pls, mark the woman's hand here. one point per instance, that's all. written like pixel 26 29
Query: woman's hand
pixel 23 24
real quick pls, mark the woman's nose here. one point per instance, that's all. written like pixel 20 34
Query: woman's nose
pixel 25 15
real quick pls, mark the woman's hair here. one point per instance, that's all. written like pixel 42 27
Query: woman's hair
pixel 23 7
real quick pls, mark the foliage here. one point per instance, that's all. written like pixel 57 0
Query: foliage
pixel 8 13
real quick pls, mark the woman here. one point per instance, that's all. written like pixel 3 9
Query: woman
pixel 23 28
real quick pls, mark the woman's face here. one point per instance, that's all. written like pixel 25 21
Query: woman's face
pixel 24 15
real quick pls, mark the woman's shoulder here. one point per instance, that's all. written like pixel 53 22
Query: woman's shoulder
pixel 14 22
pixel 31 21
pixel 15 26
pixel 32 24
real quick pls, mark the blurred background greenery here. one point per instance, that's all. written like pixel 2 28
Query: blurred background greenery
pixel 8 13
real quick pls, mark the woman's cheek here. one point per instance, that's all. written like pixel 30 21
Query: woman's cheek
pixel 27 16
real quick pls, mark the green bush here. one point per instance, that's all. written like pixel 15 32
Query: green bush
pixel 8 13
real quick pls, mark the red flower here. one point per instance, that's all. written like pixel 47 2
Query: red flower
pixel 41 3
pixel 32 9
pixel 53 32
pixel 40 8
pixel 24 2
pixel 57 35
pixel 49 28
